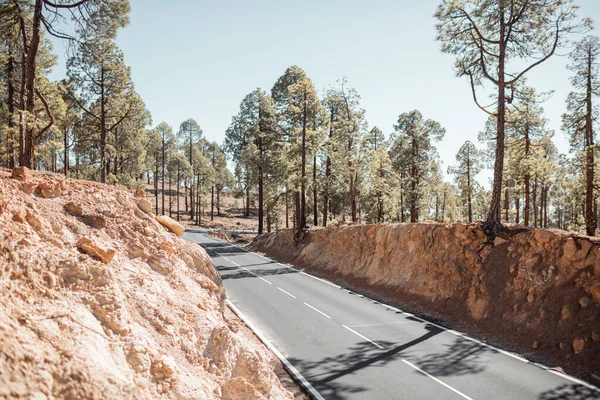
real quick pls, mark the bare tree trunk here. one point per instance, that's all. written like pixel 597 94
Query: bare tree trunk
pixel 178 180
pixel 260 201
pixel 287 209
pixel 212 202
pixel 302 211
pixel 493 222
pixel 506 204
pixel 10 102
pixel 315 208
pixel 590 217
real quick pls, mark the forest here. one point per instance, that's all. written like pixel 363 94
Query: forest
pixel 306 156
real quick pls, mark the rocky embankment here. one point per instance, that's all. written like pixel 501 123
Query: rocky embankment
pixel 536 291
pixel 100 299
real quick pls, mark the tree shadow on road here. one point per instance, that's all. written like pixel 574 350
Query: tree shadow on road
pixel 325 374
pixel 462 357
pixel 240 273
pixel 571 392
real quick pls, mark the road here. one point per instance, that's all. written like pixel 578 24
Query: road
pixel 347 346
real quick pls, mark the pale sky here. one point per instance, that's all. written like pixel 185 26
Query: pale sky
pixel 198 59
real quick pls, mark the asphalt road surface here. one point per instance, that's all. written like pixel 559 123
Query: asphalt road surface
pixel 346 346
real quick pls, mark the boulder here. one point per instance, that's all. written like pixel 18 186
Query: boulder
pixel 139 193
pixel 95 221
pixel 28 187
pixel 21 174
pixel 73 209
pixel 145 206
pixel 88 246
pixel 170 224
pixel 51 190
pixel 576 251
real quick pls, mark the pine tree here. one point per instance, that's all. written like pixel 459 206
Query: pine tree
pixel 485 35
pixel 469 165
pixel 581 118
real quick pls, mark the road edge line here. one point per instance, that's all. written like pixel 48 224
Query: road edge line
pixel 298 377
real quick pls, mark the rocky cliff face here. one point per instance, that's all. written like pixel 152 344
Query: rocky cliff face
pixel 101 300
pixel 536 291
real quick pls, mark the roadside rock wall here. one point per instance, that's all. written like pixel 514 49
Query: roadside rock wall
pixel 536 291
pixel 101 300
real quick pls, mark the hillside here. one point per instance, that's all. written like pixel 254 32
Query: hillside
pixel 100 299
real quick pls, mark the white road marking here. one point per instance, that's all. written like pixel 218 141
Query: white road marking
pixel 317 310
pixel 258 276
pixel 437 380
pixel 322 280
pixel 363 337
pixel 285 362
pixel 288 293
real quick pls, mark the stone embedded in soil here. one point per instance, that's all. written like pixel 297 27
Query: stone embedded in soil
pixel 51 190
pixel 584 302
pixel 28 187
pixel 565 312
pixel 578 345
pixel 95 221
pixel 3 205
pixel 170 224
pixel 145 206
pixel 73 209
pixel 535 345
pixel 595 336
pixel 21 174
pixel 88 246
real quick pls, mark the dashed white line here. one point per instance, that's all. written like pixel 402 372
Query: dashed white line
pixel 288 293
pixel 363 337
pixel 437 380
pixel 258 276
pixel 317 310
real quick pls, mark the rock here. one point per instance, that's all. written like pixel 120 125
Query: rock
pixel 535 345
pixel 498 241
pixel 19 216
pixel 3 205
pixel 532 262
pixel 595 336
pixel 145 206
pixel 542 235
pixel 28 187
pixel 21 174
pixel 170 224
pixel 73 209
pixel 167 248
pixel 578 345
pixel 565 312
pixel 89 247
pixel 594 291
pixel 51 190
pixel 33 221
pixel 574 252
pixel 584 302
pixel 95 221
pixel 139 193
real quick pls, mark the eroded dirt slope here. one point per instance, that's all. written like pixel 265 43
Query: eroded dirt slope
pixel 536 291
pixel 101 300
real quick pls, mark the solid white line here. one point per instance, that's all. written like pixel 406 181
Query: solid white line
pixel 288 293
pixel 363 337
pixel 322 280
pixel 283 360
pixel 437 380
pixel 317 310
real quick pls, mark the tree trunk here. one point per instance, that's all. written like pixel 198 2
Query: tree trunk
pixel 493 222
pixel 315 208
pixel 103 162
pixel 302 217
pixel 178 180
pixel 526 179
pixel 163 175
pixel 247 196
pixel 260 201
pixel 506 204
pixel 287 209
pixel 470 209
pixel 518 208
pixel 219 201
pixel 10 103
pixel 156 184
pixel 590 217
pixel 212 202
